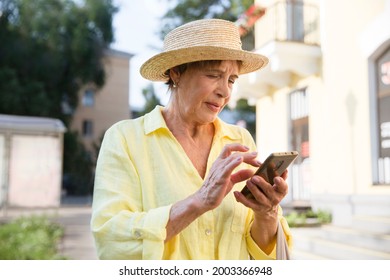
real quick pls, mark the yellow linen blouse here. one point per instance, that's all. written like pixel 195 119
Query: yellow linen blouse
pixel 141 171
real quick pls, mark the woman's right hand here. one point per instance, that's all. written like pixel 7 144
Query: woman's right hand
pixel 218 183
pixel 220 180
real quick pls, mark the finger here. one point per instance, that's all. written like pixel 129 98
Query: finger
pixel 280 185
pixel 235 147
pixel 250 203
pixel 260 188
pixel 266 194
pixel 241 175
pixel 251 158
pixel 231 165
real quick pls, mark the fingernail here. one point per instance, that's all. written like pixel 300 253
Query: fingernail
pixel 257 180
pixel 277 180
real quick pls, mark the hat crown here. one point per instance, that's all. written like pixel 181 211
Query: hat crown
pixel 207 32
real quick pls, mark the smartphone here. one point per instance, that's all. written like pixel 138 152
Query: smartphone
pixel 273 166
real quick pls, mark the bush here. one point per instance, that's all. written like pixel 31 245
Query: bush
pixel 325 217
pixel 30 238
pixel 295 219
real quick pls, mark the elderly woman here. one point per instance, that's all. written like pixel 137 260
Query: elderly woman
pixel 168 184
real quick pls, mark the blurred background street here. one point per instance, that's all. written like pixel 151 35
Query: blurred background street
pixel 74 216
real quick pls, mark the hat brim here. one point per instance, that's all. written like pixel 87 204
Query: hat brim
pixel 154 69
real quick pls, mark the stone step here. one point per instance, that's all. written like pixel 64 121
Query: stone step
pixel 318 242
pixel 303 255
pixel 361 238
pixel 376 224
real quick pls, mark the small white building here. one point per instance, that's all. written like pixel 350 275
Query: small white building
pixel 31 153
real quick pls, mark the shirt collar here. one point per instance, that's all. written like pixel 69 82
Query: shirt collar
pixel 223 129
pixel 154 120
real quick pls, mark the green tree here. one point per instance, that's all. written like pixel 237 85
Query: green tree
pixel 49 49
pixel 244 112
pixel 151 101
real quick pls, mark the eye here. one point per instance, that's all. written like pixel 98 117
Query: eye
pixel 232 81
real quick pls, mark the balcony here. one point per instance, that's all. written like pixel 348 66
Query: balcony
pixel 288 34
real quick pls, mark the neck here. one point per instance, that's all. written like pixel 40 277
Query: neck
pixel 181 126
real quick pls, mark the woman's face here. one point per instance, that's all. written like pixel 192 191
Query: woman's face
pixel 202 92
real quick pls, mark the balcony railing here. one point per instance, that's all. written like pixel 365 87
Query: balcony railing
pixel 289 21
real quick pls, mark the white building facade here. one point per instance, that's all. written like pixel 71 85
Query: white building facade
pixel 326 94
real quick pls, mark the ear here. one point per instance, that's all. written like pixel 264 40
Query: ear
pixel 174 74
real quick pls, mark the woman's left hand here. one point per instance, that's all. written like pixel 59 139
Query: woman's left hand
pixel 266 196
pixel 265 208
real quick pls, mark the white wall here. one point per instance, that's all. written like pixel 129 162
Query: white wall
pixel 35 171
pixel 2 169
pixel 271 124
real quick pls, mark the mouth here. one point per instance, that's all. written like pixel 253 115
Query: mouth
pixel 213 106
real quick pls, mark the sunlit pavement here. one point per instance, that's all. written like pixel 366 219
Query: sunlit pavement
pixel 77 243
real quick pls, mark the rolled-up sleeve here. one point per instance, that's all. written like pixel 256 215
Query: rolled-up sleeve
pixel 255 251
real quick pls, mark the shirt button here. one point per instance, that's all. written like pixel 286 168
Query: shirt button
pixel 207 232
pixel 137 234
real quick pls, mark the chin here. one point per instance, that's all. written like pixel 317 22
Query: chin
pixel 212 118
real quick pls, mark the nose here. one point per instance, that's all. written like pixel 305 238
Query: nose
pixel 224 89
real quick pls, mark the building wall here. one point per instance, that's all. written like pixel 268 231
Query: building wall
pixel 35 168
pixel 340 118
pixel 111 103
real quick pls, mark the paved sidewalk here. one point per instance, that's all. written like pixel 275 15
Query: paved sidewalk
pixel 77 243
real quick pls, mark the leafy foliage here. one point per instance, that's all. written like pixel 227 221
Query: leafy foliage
pixel 244 112
pixel 49 49
pixel 184 11
pixel 151 100
pixel 300 219
pixel 78 167
pixel 30 238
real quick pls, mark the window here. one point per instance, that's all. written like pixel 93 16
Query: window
pixel 383 118
pixel 88 98
pixel 295 28
pixel 87 128
pixel 299 123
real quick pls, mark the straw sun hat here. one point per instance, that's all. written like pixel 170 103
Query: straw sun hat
pixel 206 39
